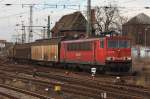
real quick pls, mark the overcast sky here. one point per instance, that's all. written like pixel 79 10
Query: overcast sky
pixel 14 14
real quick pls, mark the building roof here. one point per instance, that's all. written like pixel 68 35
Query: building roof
pixel 139 19
pixel 75 21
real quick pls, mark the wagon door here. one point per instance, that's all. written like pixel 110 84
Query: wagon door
pixel 62 52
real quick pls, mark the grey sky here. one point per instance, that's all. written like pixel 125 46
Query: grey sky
pixel 12 15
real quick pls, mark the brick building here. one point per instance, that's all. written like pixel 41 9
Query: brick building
pixel 138 29
pixel 70 25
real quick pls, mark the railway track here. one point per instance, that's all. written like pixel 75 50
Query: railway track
pixel 96 86
pixel 16 93
pixel 76 89
pixel 70 88
pixel 99 86
pixel 122 89
pixel 61 73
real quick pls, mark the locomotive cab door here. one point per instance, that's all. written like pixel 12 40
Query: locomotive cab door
pixel 100 52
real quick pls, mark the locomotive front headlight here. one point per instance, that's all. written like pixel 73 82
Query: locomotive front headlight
pixel 129 58
pixel 124 58
pixel 109 58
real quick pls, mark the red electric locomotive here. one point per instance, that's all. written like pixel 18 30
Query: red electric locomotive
pixel 111 53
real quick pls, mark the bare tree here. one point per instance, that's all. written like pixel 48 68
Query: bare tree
pixel 108 18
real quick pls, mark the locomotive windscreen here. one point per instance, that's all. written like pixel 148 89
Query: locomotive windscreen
pixel 118 43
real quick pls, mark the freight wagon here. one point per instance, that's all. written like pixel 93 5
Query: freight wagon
pixel 21 52
pixel 45 50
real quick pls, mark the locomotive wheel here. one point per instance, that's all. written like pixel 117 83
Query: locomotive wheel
pixel 78 69
pixel 102 70
pixel 66 66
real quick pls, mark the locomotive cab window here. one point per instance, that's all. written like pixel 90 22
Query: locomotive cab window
pixel 118 44
pixel 124 44
pixel 113 44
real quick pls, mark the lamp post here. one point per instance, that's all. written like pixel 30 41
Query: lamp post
pixel 48 28
pixel 146 50
pixel 145 36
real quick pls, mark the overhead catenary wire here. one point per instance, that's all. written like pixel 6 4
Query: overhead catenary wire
pixel 46 6
pixel 25 12
pixel 54 6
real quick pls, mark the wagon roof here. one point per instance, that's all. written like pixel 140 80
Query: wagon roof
pixel 46 41
pixel 22 46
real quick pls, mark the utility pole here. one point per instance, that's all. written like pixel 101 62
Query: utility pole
pixel 145 36
pixel 89 27
pixel 48 28
pixel 22 38
pixel 44 32
pixel 23 33
pixel 30 38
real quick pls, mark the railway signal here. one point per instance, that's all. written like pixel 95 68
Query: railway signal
pixel 93 71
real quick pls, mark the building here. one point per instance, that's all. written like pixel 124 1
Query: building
pixel 73 25
pixel 138 29
pixel 70 25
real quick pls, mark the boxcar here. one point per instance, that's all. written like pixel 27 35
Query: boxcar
pixel 22 51
pixel 45 50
